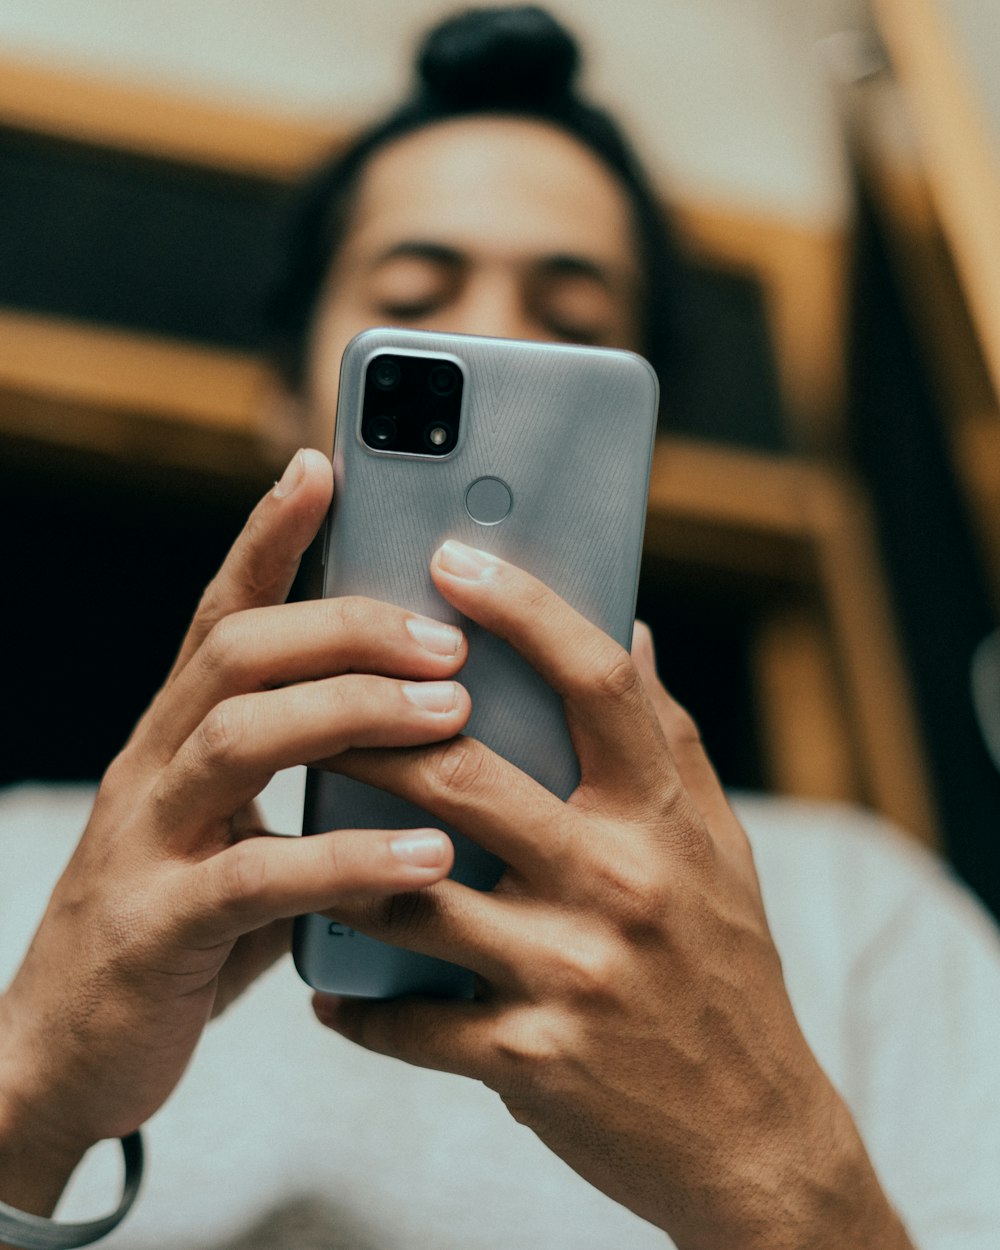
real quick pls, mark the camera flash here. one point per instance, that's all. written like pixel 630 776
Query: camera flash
pixel 438 435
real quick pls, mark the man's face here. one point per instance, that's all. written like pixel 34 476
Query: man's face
pixel 497 226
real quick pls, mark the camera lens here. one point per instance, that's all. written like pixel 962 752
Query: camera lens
pixel 386 374
pixel 443 379
pixel 381 431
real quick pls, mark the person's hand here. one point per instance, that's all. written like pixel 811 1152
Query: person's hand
pixel 175 898
pixel 632 1009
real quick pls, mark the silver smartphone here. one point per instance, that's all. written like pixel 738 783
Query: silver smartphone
pixel 537 451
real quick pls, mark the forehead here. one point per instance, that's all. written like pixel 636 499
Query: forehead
pixel 493 184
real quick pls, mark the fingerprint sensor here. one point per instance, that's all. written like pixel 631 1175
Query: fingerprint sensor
pixel 488 500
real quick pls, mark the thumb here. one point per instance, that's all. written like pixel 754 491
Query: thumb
pixel 260 567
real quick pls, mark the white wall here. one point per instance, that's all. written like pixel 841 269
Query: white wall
pixel 727 97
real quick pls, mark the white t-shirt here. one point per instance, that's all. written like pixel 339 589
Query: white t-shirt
pixel 283 1135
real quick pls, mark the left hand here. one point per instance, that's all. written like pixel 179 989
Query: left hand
pixel 633 1011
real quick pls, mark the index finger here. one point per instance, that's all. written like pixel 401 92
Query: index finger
pixel 262 563
pixel 614 728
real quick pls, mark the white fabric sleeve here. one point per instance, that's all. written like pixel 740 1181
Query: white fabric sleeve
pixel 923 1053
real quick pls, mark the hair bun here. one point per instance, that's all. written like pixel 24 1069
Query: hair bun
pixel 495 58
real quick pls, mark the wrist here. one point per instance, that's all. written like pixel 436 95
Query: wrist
pixel 842 1205
pixel 35 1166
pixel 821 1187
pixel 38 1150
pixel 20 1227
pixel 806 1185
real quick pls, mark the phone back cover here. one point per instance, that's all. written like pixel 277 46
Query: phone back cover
pixel 569 430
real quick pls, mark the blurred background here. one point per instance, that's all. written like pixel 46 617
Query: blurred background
pixel 823 545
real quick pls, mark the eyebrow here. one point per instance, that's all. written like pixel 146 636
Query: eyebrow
pixel 418 249
pixel 557 265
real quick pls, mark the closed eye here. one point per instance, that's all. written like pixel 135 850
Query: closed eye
pixel 409 310
pixel 413 281
pixel 575 306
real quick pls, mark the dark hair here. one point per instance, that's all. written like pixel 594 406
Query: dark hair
pixel 516 61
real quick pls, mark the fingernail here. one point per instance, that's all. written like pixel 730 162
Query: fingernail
pixel 291 476
pixel 466 562
pixel 432 696
pixel 433 636
pixel 422 848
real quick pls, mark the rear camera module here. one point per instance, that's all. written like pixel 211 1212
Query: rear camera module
pixel 412 404
pixel 443 379
pixel 385 373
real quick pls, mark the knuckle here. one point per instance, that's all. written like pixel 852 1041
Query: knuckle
pixel 689 836
pixel 251 576
pixel 589 972
pixel 460 767
pixel 617 676
pixel 211 606
pixel 537 597
pixel 527 1041
pixel 405 913
pixel 118 774
pixel 334 865
pixel 342 699
pixel 222 732
pixel 670 800
pixel 351 614
pixel 221 647
pixel 244 579
pixel 244 875
pixel 127 782
pixel 679 726
pixel 397 916
pixel 531 1053
pixel 635 898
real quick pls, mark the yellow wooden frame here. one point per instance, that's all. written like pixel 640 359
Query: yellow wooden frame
pixel 847 728
pixel 958 153
pixel 892 160
pixel 802 269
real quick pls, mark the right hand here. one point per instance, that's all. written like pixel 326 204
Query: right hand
pixel 176 898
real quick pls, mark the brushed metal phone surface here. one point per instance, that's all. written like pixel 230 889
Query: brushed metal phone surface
pixel 569 431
